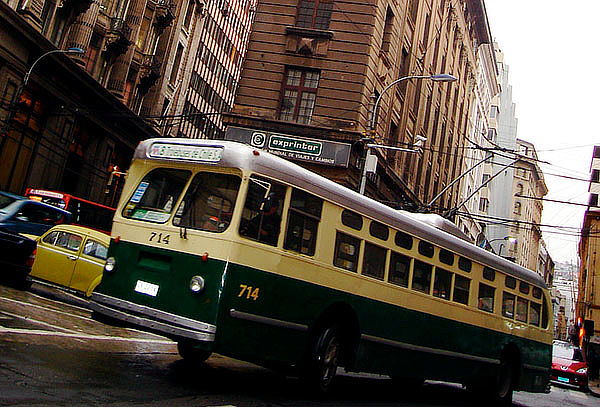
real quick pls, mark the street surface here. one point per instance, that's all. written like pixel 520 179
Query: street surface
pixel 53 354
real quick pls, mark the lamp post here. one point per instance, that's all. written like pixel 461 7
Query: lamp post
pixel 13 103
pixel 373 123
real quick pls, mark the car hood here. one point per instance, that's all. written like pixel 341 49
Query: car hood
pixel 570 365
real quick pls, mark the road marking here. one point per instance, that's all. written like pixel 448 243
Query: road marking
pixel 77 335
pixel 35 321
pixel 85 318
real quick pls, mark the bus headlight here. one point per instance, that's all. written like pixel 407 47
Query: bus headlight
pixel 197 284
pixel 110 265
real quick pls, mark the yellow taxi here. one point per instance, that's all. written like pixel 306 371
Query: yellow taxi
pixel 71 256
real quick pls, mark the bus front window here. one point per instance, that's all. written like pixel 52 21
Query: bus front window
pixel 154 198
pixel 208 202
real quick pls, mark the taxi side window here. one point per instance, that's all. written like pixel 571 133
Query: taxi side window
pixel 95 249
pixel 51 238
pixel 68 241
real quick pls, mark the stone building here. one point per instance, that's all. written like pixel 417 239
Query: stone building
pixel 63 130
pixel 175 63
pixel 588 301
pixel 315 68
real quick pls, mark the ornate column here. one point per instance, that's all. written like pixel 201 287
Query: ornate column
pixel 81 31
pixel 129 28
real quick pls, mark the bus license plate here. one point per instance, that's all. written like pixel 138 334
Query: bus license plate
pixel 146 288
pixel 563 379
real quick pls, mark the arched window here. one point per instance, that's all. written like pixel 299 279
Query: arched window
pixel 517 210
pixel 519 189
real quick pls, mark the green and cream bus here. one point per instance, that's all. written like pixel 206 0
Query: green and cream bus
pixel 226 248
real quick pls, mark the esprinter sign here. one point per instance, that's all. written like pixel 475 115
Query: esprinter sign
pixel 289 144
pixel 294 148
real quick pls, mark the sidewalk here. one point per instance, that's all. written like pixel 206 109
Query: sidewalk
pixel 594 386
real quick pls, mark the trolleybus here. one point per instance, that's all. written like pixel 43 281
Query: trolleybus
pixel 226 248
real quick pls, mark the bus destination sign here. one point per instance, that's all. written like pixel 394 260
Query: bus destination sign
pixel 186 152
pixel 294 148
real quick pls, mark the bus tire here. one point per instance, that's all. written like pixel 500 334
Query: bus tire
pixel 504 383
pixel 191 353
pixel 324 359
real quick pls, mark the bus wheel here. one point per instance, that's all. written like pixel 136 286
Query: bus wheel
pixel 324 360
pixel 503 390
pixel 191 353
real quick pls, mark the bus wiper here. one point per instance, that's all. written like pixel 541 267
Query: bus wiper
pixel 183 232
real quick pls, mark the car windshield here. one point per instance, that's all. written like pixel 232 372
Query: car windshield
pixel 5 201
pixel 567 352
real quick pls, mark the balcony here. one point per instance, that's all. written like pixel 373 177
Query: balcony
pixel 118 37
pixel 164 15
pixel 149 72
pixel 78 6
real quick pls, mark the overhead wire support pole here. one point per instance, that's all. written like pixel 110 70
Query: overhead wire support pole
pixel 451 212
pixel 435 198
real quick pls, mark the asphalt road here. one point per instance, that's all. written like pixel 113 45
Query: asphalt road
pixel 53 354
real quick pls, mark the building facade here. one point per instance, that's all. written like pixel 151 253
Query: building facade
pixel 176 64
pixel 315 71
pixel 588 301
pixel 475 193
pixel 61 130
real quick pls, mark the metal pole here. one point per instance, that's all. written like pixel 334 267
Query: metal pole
pixel 372 122
pixel 456 180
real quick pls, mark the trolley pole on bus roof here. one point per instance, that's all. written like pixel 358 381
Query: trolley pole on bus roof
pixel 372 125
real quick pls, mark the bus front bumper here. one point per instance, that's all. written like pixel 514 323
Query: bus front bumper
pixel 152 319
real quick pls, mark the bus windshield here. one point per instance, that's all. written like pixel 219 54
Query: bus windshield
pixel 154 198
pixel 208 203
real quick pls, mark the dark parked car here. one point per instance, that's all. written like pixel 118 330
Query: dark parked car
pixel 22 215
pixel 569 365
pixel 17 254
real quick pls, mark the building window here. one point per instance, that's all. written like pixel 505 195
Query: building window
pixel 314 14
pixel 517 210
pixel 299 94
pixel 176 62
pixel 519 190
pixel 483 204
pixel 387 30
pixel 494 111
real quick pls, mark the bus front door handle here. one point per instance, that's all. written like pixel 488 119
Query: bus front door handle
pixel 72 258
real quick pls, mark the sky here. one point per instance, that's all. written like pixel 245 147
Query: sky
pixel 551 48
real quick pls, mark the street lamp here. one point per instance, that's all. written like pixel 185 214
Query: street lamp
pixel 55 51
pixel 16 96
pixel 416 147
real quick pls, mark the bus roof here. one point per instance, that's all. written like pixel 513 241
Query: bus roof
pixel 237 155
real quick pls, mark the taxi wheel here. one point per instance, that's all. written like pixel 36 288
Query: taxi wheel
pixel 191 353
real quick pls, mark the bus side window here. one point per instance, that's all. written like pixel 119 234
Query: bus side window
pixel 399 269
pixel 374 261
pixel 261 217
pixel 461 290
pixel 508 305
pixel 486 298
pixel 346 253
pixel 303 222
pixel 522 309
pixel 421 280
pixel 441 283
